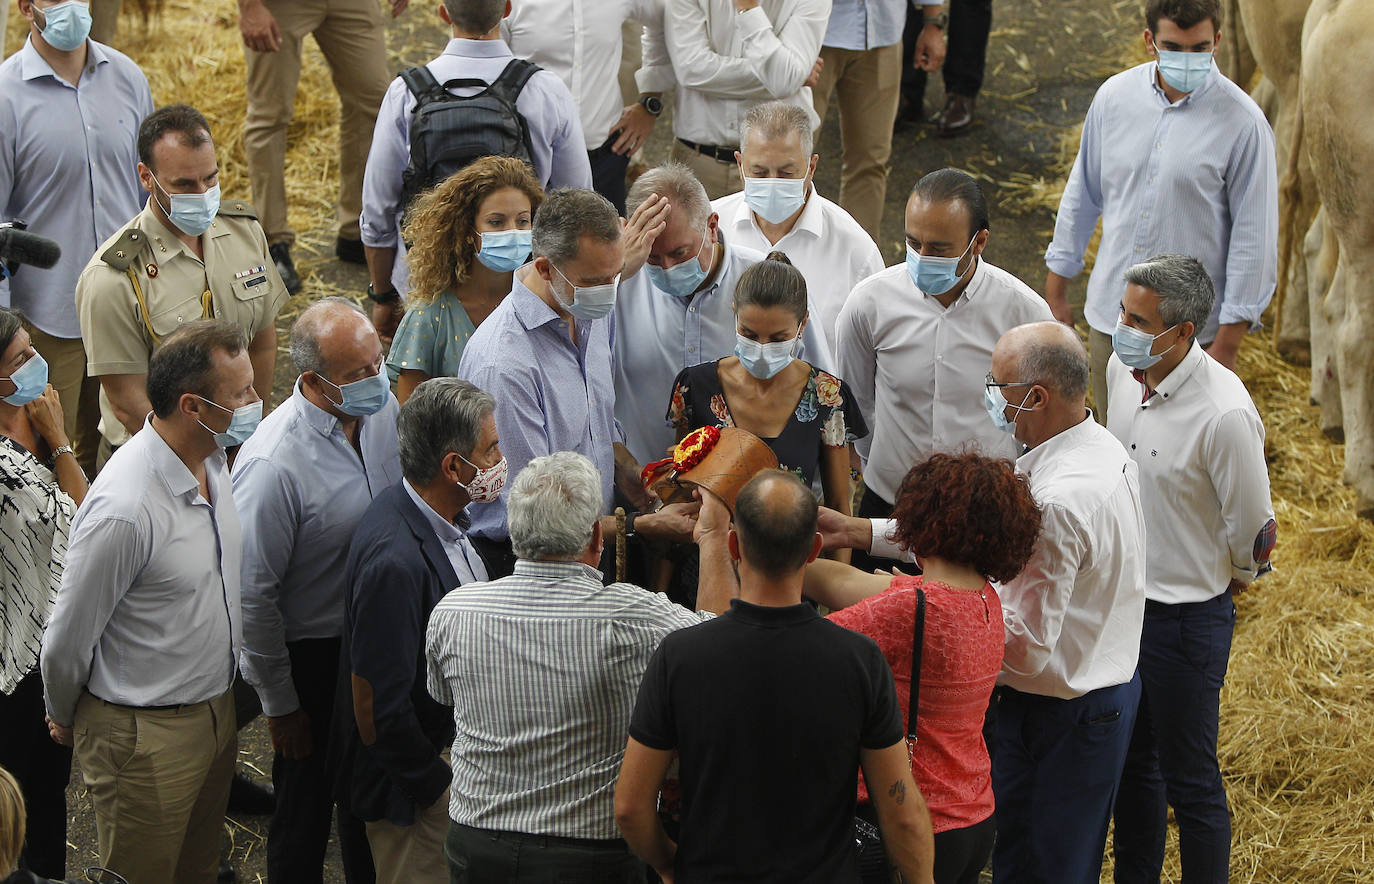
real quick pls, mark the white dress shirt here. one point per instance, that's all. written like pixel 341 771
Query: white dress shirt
pixel 728 61
pixel 869 24
pixel 301 489
pixel 466 562
pixel 656 335
pixel 826 244
pixel 148 612
pixel 917 368
pixel 1199 443
pixel 580 41
pixel 1195 178
pixel 1073 615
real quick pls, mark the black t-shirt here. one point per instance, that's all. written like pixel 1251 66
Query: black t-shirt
pixel 768 709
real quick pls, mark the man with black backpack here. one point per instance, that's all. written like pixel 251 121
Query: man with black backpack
pixel 474 100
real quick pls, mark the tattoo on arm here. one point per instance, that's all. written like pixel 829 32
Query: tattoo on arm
pixel 898 791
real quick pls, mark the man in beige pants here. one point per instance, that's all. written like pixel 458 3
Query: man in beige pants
pixel 352 36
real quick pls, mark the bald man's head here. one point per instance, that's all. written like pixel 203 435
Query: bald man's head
pixel 775 518
pixel 1046 353
pixel 330 335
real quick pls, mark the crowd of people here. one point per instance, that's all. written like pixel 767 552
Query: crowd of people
pixel 966 618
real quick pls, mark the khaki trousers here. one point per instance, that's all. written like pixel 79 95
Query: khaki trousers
pixel 868 84
pixel 1099 351
pixel 412 854
pixel 719 179
pixel 352 37
pixel 159 782
pixel 80 395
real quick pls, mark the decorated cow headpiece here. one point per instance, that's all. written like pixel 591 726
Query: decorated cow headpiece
pixel 719 459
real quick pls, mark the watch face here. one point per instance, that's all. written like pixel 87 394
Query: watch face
pixel 652 105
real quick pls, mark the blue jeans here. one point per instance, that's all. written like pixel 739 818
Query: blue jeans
pixel 1184 651
pixel 1055 770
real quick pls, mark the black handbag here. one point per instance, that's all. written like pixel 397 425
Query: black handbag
pixel 874 866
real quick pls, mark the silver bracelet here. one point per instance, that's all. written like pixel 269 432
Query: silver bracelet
pixel 58 452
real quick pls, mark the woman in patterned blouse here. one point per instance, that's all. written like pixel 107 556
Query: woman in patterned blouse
pixel 467 236
pixel 41 486
pixel 807 416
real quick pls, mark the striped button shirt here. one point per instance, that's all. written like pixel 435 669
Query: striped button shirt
pixel 541 669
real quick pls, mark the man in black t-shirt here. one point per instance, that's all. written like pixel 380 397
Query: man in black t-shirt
pixel 771 710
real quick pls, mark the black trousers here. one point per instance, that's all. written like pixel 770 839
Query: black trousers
pixel 871 506
pixel 298 834
pixel 970 22
pixel 487 856
pixel 608 173
pixel 42 769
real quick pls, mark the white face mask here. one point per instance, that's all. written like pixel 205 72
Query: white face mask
pixel 589 301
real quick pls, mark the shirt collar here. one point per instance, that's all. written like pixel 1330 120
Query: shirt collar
pixel 1056 446
pixel 315 417
pixel 168 465
pixel 1180 375
pixel 1153 69
pixel 529 308
pixel 727 263
pixel 153 227
pixel 464 48
pixel 768 615
pixel 557 570
pixel 447 531
pixel 32 65
pixel 975 285
pixel 811 220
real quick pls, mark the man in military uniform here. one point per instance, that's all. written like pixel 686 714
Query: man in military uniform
pixel 186 256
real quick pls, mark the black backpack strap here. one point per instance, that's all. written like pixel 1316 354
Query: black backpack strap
pixel 917 648
pixel 514 78
pixel 422 84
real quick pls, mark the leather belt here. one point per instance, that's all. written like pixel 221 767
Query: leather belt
pixel 719 154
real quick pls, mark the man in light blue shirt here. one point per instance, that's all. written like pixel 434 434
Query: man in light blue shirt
pixel 68 159
pixel 302 483
pixel 476 52
pixel 660 331
pixel 1171 169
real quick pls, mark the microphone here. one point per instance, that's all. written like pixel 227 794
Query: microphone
pixel 18 246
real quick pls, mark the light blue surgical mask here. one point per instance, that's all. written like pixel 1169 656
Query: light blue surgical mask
pixel 364 397
pixel 1132 346
pixel 1185 71
pixel 997 405
pixel 764 360
pixel 191 212
pixel 505 250
pixel 934 276
pixel 589 301
pixel 29 379
pixel 244 421
pixel 66 25
pixel 775 199
pixel 680 280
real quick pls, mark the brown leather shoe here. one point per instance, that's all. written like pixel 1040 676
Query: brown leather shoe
pixel 957 116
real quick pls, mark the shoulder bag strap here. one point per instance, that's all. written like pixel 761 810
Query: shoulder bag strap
pixel 917 647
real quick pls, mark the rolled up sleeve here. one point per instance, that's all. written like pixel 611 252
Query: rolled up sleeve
pixel 386 160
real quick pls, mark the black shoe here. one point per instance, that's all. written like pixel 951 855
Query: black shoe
pixel 251 798
pixel 226 873
pixel 350 251
pixel 281 256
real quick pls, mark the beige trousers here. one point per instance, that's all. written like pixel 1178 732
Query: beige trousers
pixel 1099 351
pixel 412 854
pixel 867 84
pixel 80 395
pixel 352 36
pixel 719 179
pixel 159 781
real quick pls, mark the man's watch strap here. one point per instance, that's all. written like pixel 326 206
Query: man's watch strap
pixel 940 20
pixel 376 297
pixel 630 524
pixel 651 103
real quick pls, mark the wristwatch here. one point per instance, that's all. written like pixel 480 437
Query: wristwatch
pixel 59 451
pixel 940 21
pixel 376 297
pixel 630 524
pixel 651 103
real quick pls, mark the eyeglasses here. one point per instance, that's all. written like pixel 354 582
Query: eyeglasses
pixel 990 381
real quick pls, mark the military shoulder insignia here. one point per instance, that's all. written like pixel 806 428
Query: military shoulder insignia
pixel 237 209
pixel 122 253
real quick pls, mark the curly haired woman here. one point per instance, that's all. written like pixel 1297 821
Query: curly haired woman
pixel 467 235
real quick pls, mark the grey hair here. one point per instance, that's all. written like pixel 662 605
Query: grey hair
pixel 777 119
pixel 1058 362
pixel 553 507
pixel 1185 291
pixel 442 415
pixel 676 182
pixel 568 214
pixel 310 326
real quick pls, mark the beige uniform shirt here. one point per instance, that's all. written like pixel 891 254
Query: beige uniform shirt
pixel 120 332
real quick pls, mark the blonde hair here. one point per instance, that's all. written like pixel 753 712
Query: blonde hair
pixel 11 822
pixel 441 222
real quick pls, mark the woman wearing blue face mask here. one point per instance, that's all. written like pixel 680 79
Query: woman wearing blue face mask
pixel 808 417
pixel 468 236
pixel 40 488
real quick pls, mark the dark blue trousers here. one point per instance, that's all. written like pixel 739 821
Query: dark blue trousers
pixel 1055 770
pixel 1184 651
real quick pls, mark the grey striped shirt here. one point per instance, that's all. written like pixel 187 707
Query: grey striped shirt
pixel 541 669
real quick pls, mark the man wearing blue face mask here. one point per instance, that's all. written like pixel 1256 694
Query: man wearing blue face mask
pixel 1174 158
pixel 302 483
pixel 186 256
pixel 140 654
pixel 913 341
pixel 780 209
pixel 675 308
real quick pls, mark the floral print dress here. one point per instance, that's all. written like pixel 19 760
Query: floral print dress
pixel 826 416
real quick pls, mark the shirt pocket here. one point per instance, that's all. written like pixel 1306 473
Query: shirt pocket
pixel 166 320
pixel 259 285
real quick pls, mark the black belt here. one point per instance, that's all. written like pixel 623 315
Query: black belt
pixel 547 840
pixel 719 154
